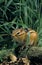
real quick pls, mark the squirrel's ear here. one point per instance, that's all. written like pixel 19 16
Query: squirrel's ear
pixel 26 30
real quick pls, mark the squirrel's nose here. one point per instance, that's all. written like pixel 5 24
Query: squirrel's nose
pixel 13 34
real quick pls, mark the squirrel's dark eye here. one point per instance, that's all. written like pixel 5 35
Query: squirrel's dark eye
pixel 18 33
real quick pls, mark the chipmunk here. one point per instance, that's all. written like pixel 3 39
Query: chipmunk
pixel 20 35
